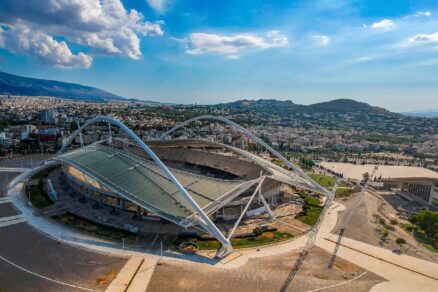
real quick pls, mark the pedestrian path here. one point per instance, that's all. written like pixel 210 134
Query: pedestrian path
pixel 134 276
pixel 125 276
pixel 10 220
pixel 141 280
pixel 399 279
pixel 415 265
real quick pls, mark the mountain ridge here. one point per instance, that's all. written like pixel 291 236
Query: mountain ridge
pixel 11 84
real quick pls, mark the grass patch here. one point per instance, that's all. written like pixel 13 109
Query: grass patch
pixel 323 180
pixel 242 242
pixel 425 241
pixel 344 192
pixel 38 196
pixel 92 228
pixel 420 237
pixel 311 211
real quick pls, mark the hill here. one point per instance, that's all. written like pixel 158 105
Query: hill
pixel 17 85
pixel 259 103
pixel 344 105
pixel 287 106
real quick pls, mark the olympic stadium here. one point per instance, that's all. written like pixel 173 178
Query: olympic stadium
pixel 190 183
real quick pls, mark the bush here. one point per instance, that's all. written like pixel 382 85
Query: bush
pixel 400 241
pixel 257 231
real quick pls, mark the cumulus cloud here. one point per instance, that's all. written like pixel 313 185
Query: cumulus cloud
pixel 20 39
pixel 385 24
pixel 321 40
pixel 232 45
pixel 103 26
pixel 160 6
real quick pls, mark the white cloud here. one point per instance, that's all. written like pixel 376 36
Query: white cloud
pixel 20 39
pixel 423 38
pixel 232 45
pixel 423 13
pixel 363 59
pixel 321 40
pixel 419 14
pixel 104 26
pixel 160 6
pixel 385 24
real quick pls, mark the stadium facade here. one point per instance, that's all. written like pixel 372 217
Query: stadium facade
pixel 190 182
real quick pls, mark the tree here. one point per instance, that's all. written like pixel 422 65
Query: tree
pixel 307 162
pixel 366 176
pixel 427 221
pixel 400 241
pixel 393 222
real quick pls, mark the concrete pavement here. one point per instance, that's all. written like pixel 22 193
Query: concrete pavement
pixel 134 276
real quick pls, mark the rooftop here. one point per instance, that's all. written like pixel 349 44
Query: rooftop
pixel 142 181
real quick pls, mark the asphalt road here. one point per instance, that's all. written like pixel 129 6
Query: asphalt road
pixel 7 209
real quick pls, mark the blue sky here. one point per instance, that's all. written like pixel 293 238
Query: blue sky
pixel 381 52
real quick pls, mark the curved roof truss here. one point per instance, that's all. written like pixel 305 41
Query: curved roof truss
pixel 202 218
pixel 256 139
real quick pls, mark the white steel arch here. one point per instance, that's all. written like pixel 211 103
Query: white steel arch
pixel 255 138
pixel 203 219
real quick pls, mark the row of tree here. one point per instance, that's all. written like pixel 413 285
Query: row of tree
pixel 427 221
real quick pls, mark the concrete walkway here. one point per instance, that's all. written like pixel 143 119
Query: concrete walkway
pixel 141 280
pixel 399 279
pixel 134 276
pixel 124 277
pixel 416 265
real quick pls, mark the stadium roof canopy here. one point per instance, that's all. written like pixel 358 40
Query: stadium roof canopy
pixel 144 183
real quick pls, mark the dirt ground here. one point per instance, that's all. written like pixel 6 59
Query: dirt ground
pixel 262 274
pixel 353 171
pixel 363 227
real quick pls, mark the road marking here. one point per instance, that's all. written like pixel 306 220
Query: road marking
pixel 12 222
pixel 338 284
pixel 44 277
pixel 5 200
pixel 13 169
pixel 9 218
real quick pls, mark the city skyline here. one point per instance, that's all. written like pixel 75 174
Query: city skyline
pixel 195 52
